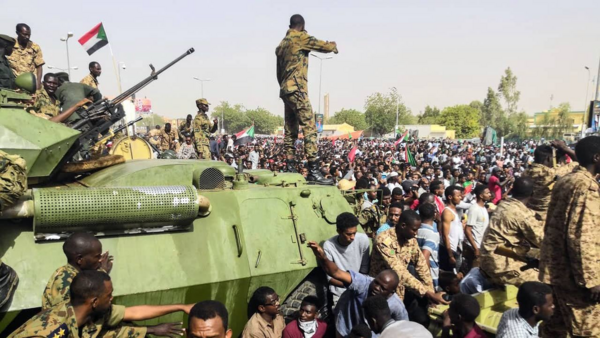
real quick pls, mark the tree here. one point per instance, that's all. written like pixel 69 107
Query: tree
pixel 351 116
pixel 264 121
pixel 492 114
pixel 151 121
pixel 233 116
pixel 380 112
pixel 555 123
pixel 519 125
pixel 508 89
pixel 430 116
pixel 463 119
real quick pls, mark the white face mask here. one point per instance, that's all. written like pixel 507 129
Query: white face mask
pixel 308 328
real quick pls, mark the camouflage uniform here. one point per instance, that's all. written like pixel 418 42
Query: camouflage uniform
pixel 57 289
pixel 203 126
pixel 569 257
pixel 43 106
pixel 26 59
pixel 154 137
pixel 370 219
pixel 90 80
pixel 514 226
pixel 168 140
pixel 185 129
pixel 292 68
pixel 389 254
pixel 543 180
pixel 60 322
pixel 13 179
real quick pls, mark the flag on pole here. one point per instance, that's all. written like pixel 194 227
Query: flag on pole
pixel 245 136
pixel 409 157
pixel 401 138
pixel 352 154
pixel 94 39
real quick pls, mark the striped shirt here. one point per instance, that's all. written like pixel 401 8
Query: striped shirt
pixel 429 239
pixel 512 325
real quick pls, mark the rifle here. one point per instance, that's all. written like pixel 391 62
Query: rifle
pixel 95 121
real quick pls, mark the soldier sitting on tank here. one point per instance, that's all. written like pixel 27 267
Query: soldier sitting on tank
pixel 47 106
pixel 348 311
pixel 90 313
pixel 186 128
pixel 7 77
pixel 70 94
pixel 169 138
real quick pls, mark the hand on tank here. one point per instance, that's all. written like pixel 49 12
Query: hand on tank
pixel 106 262
pixel 167 330
pixel 317 250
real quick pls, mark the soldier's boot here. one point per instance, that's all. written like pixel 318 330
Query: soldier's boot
pixel 315 176
pixel 290 166
pixel 8 283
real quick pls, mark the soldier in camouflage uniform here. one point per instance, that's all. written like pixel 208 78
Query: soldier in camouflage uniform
pixel 7 76
pixel 186 128
pixel 545 173
pixel 27 55
pixel 292 68
pixel 92 78
pixel 91 314
pixel 203 127
pixel 395 249
pixel 515 227
pixel 569 257
pixel 169 138
pixel 46 105
pixel 13 183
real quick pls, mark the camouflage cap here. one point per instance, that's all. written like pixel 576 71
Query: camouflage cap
pixel 7 38
pixel 202 101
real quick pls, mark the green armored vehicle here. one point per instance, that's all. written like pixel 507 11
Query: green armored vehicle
pixel 181 231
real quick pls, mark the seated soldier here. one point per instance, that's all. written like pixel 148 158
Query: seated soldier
pixel 90 313
pixel 47 105
pixel 515 227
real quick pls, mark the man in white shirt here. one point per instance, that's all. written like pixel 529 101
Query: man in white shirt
pixel 478 221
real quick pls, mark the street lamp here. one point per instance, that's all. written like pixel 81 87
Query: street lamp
pixel 66 40
pixel 201 84
pixel 121 65
pixel 585 107
pixel 320 74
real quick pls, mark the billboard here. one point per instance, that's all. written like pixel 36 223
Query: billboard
pixel 143 106
pixel 319 122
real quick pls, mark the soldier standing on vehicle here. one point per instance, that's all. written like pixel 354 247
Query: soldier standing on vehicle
pixel 186 128
pixel 7 76
pixel 569 255
pixel 203 127
pixel 292 75
pixel 27 55
pixel 92 78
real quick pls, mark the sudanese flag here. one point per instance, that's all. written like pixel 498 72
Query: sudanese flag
pixel 94 39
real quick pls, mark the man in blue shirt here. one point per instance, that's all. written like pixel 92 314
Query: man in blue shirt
pixel 348 312
pixel 429 239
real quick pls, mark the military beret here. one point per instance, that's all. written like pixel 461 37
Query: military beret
pixel 7 38
pixel 202 101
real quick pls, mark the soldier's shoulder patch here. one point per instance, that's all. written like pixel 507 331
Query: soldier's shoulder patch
pixel 60 332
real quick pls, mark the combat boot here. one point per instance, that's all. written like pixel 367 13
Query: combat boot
pixel 290 166
pixel 315 176
pixel 8 283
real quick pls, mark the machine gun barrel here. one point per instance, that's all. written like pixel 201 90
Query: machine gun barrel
pixel 130 123
pixel 122 97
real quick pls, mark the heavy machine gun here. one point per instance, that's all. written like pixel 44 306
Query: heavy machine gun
pixel 96 120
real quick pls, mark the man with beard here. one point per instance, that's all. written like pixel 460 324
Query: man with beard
pixel 90 313
pixel 92 78
pixel 27 55
pixel 307 324
pixel 348 312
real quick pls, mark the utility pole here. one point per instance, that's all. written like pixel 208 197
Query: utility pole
pixel 320 75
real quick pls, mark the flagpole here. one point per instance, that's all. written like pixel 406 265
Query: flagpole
pixel 115 68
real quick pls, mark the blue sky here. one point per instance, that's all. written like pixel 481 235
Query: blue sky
pixel 437 53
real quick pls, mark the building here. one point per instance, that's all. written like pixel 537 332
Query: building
pixel 539 121
pixel 429 131
pixel 332 129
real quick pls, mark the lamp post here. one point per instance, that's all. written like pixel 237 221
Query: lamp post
pixel 121 65
pixel 66 40
pixel 585 107
pixel 397 105
pixel 201 84
pixel 320 75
